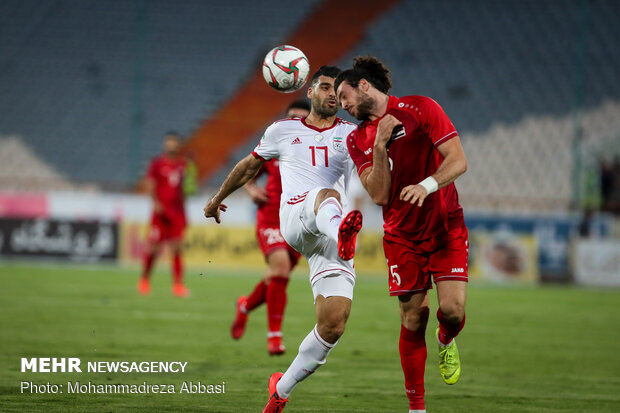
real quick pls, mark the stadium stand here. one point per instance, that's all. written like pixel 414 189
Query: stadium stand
pixel 84 82
pixel 532 86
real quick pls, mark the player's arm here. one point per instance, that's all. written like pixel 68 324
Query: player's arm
pixel 377 179
pixel 258 194
pixel 454 164
pixel 241 173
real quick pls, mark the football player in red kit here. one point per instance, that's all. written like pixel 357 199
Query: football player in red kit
pixel 408 154
pixel 280 257
pixel 165 177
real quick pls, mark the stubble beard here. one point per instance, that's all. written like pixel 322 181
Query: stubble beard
pixel 364 107
pixel 323 110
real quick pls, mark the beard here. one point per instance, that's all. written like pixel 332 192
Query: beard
pixel 322 108
pixel 364 107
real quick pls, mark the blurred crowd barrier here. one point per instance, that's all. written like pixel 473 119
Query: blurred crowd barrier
pixel 98 227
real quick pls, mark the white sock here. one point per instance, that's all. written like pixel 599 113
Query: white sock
pixel 417 411
pixel 328 217
pixel 312 354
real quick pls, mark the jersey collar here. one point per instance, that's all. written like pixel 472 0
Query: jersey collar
pixel 336 122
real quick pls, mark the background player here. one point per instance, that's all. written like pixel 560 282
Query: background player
pixel 408 155
pixel 164 182
pixel 280 257
pixel 315 166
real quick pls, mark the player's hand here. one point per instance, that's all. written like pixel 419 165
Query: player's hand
pixel 413 194
pixel 259 195
pixel 385 127
pixel 212 210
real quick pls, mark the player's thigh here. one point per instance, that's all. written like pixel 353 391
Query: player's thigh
pixel 449 254
pixel 452 296
pixel 333 309
pixel 279 262
pixel 407 269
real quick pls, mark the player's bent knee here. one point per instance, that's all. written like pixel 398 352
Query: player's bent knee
pixel 330 331
pixel 415 319
pixel 453 312
pixel 323 195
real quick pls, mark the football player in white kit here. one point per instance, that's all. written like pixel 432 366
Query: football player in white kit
pixel 315 166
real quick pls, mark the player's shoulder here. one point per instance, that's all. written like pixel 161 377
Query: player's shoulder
pixel 281 126
pixel 416 103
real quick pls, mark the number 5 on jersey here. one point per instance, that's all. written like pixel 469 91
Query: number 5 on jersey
pixel 394 274
pixel 314 150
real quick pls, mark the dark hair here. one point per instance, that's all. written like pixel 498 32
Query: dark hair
pixel 369 68
pixel 298 104
pixel 173 133
pixel 329 71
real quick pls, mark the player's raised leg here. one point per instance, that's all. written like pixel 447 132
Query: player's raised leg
pixel 329 221
pixel 451 315
pixel 414 312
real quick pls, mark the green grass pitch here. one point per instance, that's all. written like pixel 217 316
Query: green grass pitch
pixel 524 349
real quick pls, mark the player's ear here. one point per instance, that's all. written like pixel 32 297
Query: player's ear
pixel 363 85
pixel 309 94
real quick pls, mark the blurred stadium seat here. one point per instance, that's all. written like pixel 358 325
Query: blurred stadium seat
pixel 83 82
pixel 531 86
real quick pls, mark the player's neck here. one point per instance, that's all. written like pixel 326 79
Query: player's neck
pixel 381 107
pixel 320 122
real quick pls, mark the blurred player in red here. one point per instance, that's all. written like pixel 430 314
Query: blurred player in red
pixel 408 154
pixel 280 257
pixel 165 182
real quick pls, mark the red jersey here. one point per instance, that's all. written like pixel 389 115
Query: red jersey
pixel 412 157
pixel 167 174
pixel 268 214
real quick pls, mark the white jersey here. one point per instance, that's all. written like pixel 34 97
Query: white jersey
pixel 309 157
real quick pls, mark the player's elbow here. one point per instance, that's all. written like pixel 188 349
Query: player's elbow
pixel 462 166
pixel 380 199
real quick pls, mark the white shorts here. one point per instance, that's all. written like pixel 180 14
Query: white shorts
pixel 333 285
pixel 298 227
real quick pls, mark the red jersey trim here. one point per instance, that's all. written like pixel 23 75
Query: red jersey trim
pixel 447 137
pixel 257 156
pixel 336 122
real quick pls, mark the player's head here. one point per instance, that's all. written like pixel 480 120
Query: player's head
pixel 298 109
pixel 322 93
pixel 353 86
pixel 172 143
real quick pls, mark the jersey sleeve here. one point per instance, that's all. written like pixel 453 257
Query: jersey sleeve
pixel 358 157
pixel 436 123
pixel 151 172
pixel 267 148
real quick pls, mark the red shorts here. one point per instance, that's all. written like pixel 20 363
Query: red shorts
pixel 412 263
pixel 270 239
pixel 166 227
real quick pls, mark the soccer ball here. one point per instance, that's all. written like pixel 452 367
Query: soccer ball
pixel 286 68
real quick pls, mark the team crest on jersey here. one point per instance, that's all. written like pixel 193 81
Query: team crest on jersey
pixel 339 145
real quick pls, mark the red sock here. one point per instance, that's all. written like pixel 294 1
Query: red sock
pixel 447 330
pixel 276 302
pixel 412 346
pixel 177 269
pixel 256 297
pixel 147 264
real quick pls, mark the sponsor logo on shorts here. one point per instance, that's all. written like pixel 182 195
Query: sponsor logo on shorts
pixel 458 270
